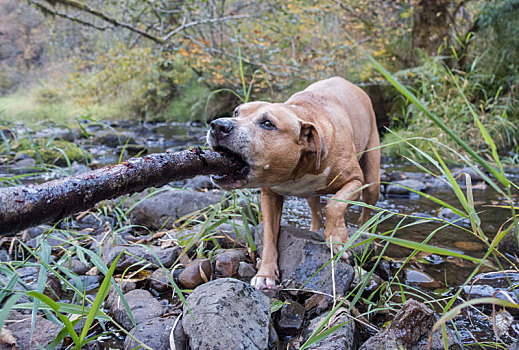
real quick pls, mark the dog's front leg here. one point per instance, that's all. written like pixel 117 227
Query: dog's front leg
pixel 335 225
pixel 271 207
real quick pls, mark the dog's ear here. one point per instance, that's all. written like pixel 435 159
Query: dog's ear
pixel 315 143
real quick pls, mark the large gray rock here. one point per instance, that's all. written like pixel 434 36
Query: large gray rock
pixel 343 338
pixel 153 333
pixel 165 208
pixel 143 305
pixel 301 254
pixel 227 314
pixel 134 256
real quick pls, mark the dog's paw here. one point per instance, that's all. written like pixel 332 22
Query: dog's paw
pixel 261 282
pixel 337 248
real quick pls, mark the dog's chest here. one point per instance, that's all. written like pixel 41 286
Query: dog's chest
pixel 306 186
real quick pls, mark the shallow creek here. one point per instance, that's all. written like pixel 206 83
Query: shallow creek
pixel 430 274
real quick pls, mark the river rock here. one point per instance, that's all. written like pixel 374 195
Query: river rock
pixel 411 323
pixel 77 266
pixel 317 304
pixel 239 316
pixel 143 305
pixel 509 243
pixel 195 274
pixel 44 332
pixel 154 333
pixel 291 318
pixel 396 188
pixel 246 270
pixel 162 210
pixel 134 256
pixel 343 338
pixel 159 281
pixel 301 254
pixel 228 262
pixel 495 285
pixel 199 183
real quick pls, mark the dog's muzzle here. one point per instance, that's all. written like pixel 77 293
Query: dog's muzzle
pixel 220 129
pixel 220 140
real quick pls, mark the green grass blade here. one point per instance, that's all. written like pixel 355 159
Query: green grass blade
pixel 6 308
pixel 55 307
pixel 100 297
pixel 425 248
pixel 42 281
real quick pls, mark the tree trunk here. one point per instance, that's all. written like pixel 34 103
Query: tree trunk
pixel 25 206
pixel 431 25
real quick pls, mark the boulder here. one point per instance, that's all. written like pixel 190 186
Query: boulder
pixel 163 209
pixel 227 314
pixel 301 254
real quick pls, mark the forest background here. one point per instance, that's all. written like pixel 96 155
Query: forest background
pixel 195 60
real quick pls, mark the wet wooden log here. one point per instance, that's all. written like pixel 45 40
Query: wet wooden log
pixel 25 206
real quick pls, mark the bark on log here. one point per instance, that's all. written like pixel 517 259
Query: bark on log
pixel 25 206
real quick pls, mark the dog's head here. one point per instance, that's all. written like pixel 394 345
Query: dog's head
pixel 274 142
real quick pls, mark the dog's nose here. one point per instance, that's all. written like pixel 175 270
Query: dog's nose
pixel 220 128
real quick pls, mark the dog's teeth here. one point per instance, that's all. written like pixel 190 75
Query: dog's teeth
pixel 266 167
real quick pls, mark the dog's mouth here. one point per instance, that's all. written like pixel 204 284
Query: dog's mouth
pixel 238 178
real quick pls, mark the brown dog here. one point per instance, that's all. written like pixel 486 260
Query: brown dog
pixel 323 140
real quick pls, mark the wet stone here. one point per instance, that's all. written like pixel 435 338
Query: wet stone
pixel 159 281
pixel 154 333
pixel 494 285
pixel 240 316
pixel 415 276
pixel 195 274
pixel 301 254
pixel 143 305
pixel 291 318
pixel 411 323
pixel 317 304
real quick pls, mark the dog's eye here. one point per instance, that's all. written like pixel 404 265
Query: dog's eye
pixel 235 113
pixel 267 124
